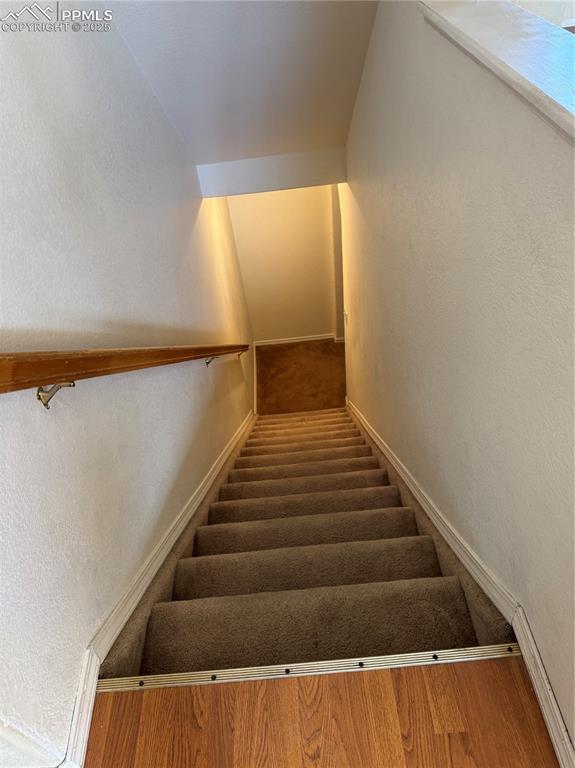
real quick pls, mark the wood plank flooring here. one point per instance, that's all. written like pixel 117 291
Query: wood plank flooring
pixel 480 714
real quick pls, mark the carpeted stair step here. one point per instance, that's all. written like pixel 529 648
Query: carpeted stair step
pixel 308 437
pixel 341 418
pixel 307 556
pixel 304 504
pixel 349 621
pixel 282 532
pixel 303 470
pixel 323 429
pixel 266 450
pixel 295 485
pixel 302 415
pixel 318 565
pixel 309 423
pixel 302 457
pixel 330 418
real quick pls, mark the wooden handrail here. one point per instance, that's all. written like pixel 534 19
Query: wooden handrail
pixel 21 370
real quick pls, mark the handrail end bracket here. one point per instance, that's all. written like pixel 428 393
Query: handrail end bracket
pixel 45 395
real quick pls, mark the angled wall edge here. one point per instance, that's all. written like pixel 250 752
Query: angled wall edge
pixel 274 172
pixel 530 54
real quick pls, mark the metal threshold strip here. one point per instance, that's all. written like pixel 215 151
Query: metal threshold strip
pixel 450 656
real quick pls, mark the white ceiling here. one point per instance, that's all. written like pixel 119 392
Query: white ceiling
pixel 246 79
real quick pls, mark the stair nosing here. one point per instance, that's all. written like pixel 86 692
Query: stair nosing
pixel 302 425
pixel 305 414
pixel 285 467
pixel 262 434
pixel 307 437
pixel 270 520
pixel 352 473
pixel 255 595
pixel 292 496
pixel 298 454
pixel 257 552
pixel 335 443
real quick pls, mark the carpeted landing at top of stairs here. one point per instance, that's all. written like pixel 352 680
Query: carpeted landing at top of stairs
pixel 309 555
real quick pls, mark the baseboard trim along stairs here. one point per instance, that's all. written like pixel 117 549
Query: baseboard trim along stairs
pixel 486 579
pixel 495 590
pixel 111 628
pixel 308 540
pixel 560 739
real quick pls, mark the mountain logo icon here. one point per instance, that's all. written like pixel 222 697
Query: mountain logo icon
pixel 34 10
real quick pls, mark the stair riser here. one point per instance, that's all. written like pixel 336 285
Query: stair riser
pixel 302 457
pixel 266 450
pixel 328 413
pixel 281 423
pixel 328 528
pixel 257 434
pixel 299 423
pixel 352 621
pixel 306 567
pixel 295 485
pixel 303 470
pixel 308 437
pixel 304 504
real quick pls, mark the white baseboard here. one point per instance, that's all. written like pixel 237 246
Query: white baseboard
pixel 486 579
pixel 319 337
pixel 549 707
pixel 255 385
pixel 496 591
pixel 83 709
pixel 112 626
pixel 109 631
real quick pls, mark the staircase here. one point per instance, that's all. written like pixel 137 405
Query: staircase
pixel 308 555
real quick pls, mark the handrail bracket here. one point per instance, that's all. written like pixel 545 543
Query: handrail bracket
pixel 209 360
pixel 45 395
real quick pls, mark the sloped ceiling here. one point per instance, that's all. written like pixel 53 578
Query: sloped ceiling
pixel 248 79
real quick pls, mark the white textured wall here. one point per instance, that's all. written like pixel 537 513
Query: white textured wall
pixel 285 247
pixel 556 11
pixel 272 173
pixel 103 243
pixel 252 79
pixel 458 248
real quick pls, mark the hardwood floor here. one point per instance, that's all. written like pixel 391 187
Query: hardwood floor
pixel 480 714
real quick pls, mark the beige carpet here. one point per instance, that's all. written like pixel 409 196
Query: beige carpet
pixel 310 554
pixel 308 547
pixel 304 376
